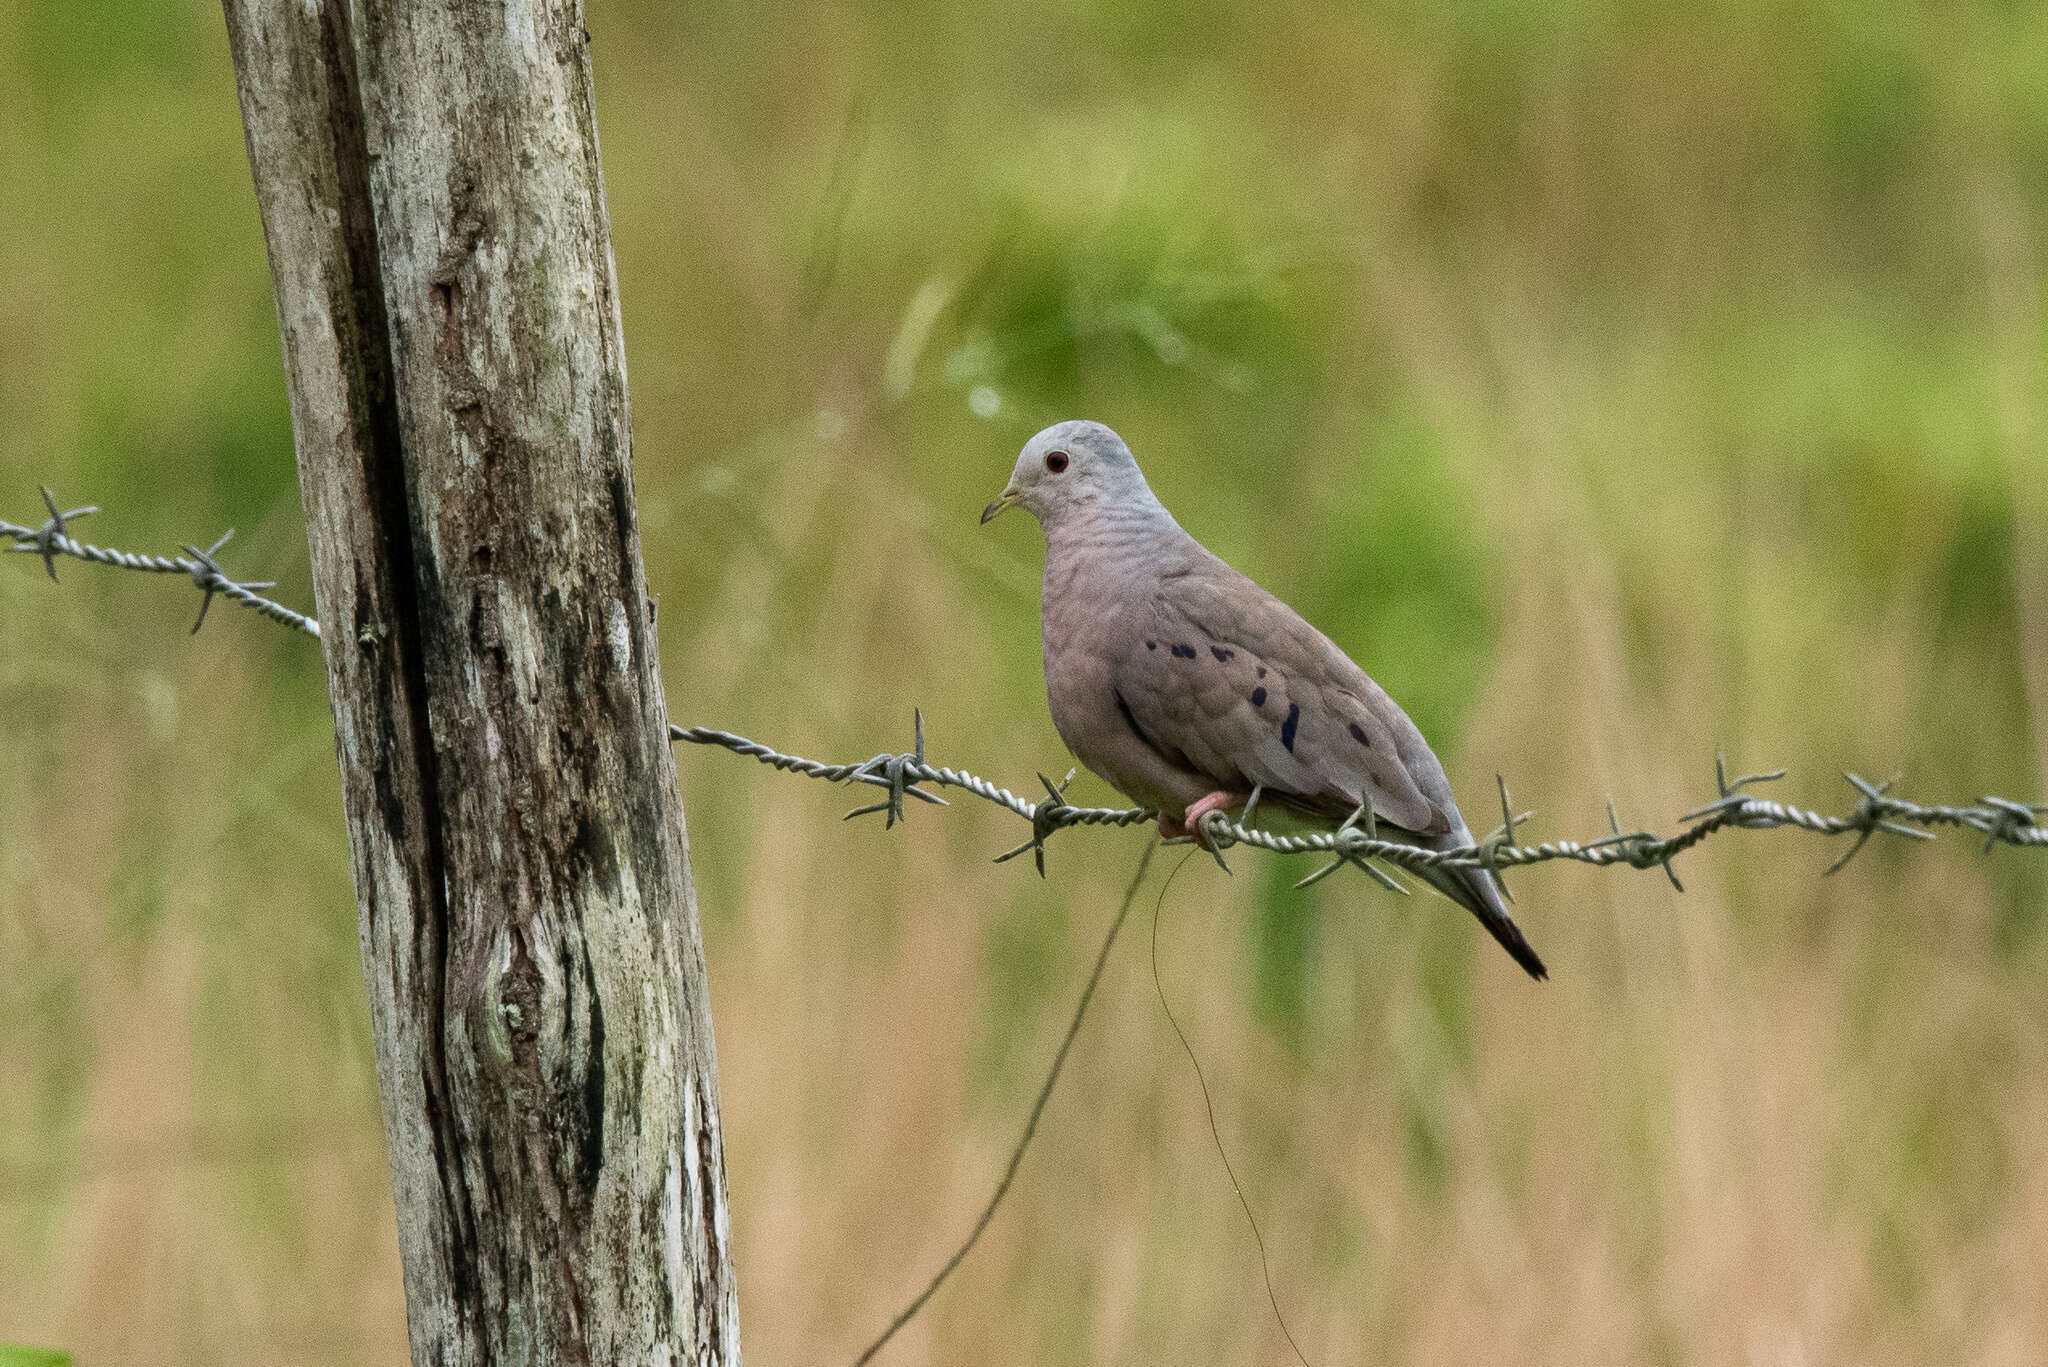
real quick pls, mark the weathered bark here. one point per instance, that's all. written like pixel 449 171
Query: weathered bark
pixel 428 177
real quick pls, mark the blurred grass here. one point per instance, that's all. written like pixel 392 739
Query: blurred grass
pixel 1615 382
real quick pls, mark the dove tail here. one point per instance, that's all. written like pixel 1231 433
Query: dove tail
pixel 1474 890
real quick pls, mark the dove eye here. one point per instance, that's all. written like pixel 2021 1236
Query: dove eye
pixel 1056 461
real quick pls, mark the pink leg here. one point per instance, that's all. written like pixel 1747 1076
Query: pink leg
pixel 1190 823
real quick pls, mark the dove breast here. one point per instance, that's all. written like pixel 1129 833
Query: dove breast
pixel 1172 675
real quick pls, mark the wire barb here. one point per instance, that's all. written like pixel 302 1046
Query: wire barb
pixel 2013 817
pixel 1215 829
pixel 1045 819
pixel 1504 834
pixel 48 540
pixel 1872 815
pixel 899 774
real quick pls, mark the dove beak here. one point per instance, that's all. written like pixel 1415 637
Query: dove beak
pixel 996 509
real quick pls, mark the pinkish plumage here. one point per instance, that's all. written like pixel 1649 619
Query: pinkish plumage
pixel 1175 677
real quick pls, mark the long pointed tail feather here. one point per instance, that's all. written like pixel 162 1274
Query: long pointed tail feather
pixel 1477 894
pixel 1475 890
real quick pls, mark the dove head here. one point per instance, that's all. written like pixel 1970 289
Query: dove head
pixel 1076 470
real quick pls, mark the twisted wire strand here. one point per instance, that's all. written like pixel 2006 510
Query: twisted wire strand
pixel 53 539
pixel 917 771
pixel 1998 820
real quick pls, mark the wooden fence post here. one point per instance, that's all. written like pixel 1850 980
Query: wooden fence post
pixel 428 176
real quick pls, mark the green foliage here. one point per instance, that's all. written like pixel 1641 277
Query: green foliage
pixel 15 1355
pixel 1405 570
pixel 1283 940
pixel 1021 962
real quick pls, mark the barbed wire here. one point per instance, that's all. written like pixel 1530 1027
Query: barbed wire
pixel 54 538
pixel 1997 819
pixel 1355 842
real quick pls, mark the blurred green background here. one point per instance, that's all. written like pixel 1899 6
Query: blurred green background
pixel 1616 383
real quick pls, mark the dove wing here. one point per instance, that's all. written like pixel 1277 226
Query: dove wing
pixel 1228 677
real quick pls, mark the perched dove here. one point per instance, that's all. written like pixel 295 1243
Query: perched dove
pixel 1186 685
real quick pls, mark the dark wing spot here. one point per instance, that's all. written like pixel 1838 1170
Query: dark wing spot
pixel 1262 671
pixel 1287 727
pixel 1151 645
pixel 1258 697
pixel 1184 652
pixel 1358 734
pixel 1221 654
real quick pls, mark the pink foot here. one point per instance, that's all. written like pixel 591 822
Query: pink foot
pixel 1190 823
